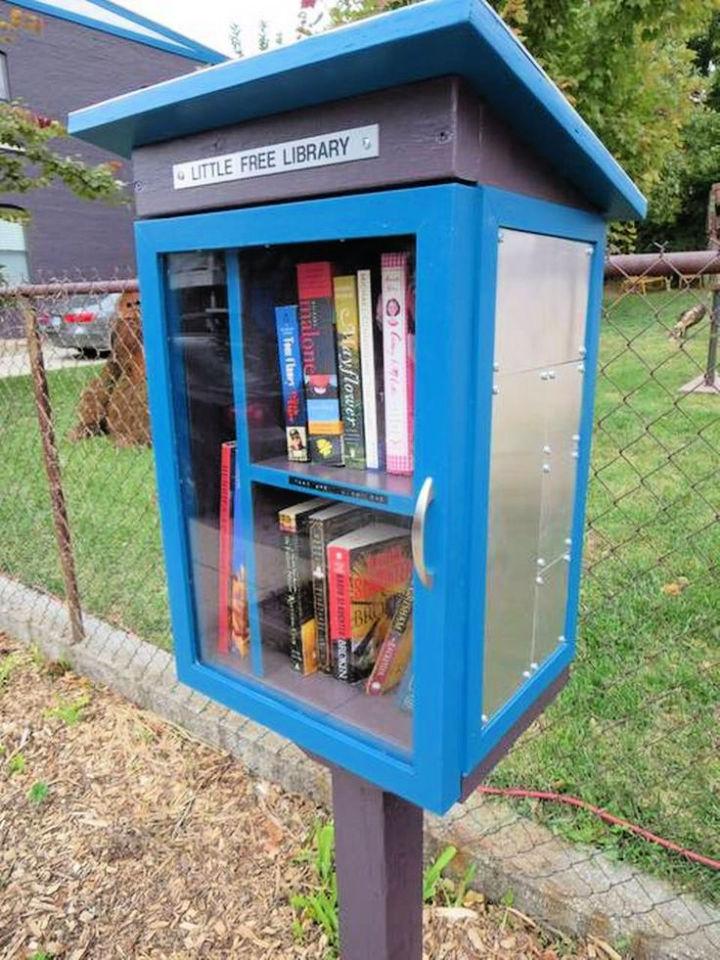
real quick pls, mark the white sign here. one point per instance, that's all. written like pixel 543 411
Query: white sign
pixel 359 143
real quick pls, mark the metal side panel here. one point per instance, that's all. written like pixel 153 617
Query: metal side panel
pixel 542 298
pixel 562 438
pixel 516 497
pixel 541 309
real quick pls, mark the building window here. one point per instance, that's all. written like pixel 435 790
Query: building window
pixel 13 251
pixel 4 78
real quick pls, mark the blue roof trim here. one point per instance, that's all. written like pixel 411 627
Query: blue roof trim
pixel 176 43
pixel 436 38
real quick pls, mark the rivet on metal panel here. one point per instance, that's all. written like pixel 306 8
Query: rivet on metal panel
pixel 501 236
pixel 534 666
pixel 582 353
pixel 484 718
pixel 581 367
pixel 496 389
pixel 496 368
pixel 540 562
pixel 561 639
pixel 566 557
pixel 544 375
pixel 576 438
pixel 546 468
pixel 539 581
pixel 551 374
pixel 526 674
pixel 589 251
pixel 568 541
pixel 547 449
pixel 576 454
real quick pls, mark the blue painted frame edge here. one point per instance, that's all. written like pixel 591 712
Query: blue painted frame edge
pixel 176 43
pixel 502 209
pixel 438 211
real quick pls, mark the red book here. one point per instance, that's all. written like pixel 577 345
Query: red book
pixel 318 349
pixel 227 472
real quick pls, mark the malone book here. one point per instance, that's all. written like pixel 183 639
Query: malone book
pixel 319 357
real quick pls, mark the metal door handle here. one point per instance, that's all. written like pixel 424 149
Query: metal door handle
pixel 417 535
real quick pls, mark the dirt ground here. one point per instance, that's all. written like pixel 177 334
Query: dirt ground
pixel 122 837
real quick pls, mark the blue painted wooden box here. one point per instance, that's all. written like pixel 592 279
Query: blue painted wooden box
pixel 496 194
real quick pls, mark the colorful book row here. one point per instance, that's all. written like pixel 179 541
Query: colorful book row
pixel 327 356
pixel 349 593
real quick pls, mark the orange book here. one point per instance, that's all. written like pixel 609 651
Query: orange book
pixel 396 650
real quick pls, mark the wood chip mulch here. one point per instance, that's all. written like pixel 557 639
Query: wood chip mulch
pixel 122 837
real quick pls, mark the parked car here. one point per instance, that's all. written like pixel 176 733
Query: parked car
pixel 84 325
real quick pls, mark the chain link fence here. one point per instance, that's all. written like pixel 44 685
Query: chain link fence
pixel 635 733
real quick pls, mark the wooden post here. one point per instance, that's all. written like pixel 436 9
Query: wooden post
pixel 712 358
pixel 52 469
pixel 379 860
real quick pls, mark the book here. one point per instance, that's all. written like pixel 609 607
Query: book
pixel 319 358
pixel 239 621
pixel 367 571
pixel 291 378
pixel 294 529
pixel 396 650
pixel 347 324
pixel 227 474
pixel 367 370
pixel 398 363
pixel 325 526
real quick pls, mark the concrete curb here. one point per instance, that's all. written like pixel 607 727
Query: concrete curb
pixel 574 889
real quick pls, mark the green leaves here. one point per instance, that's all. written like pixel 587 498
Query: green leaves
pixel 31 160
pixel 633 69
pixel 38 793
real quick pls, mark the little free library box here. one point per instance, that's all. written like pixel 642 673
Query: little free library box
pixel 371 271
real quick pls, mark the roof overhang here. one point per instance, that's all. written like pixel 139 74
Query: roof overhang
pixel 432 39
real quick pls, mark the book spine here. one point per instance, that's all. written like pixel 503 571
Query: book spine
pixel 320 598
pixel 239 611
pixel 292 573
pixel 395 650
pixel 398 364
pixel 319 358
pixel 338 560
pixel 350 377
pixel 293 391
pixel 227 460
pixel 367 368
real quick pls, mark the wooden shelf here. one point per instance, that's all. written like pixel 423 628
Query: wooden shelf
pixel 370 488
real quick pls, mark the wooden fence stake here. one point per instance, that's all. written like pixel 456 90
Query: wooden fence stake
pixel 379 861
pixel 52 469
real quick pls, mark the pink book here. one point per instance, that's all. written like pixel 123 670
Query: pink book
pixel 399 363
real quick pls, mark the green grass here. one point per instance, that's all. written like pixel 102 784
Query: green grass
pixel 111 504
pixel 636 730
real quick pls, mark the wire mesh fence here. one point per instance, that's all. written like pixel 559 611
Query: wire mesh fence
pixel 636 730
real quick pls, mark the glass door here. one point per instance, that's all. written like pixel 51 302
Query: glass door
pixel 296 459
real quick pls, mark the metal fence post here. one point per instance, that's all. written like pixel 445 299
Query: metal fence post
pixel 52 469
pixel 379 861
